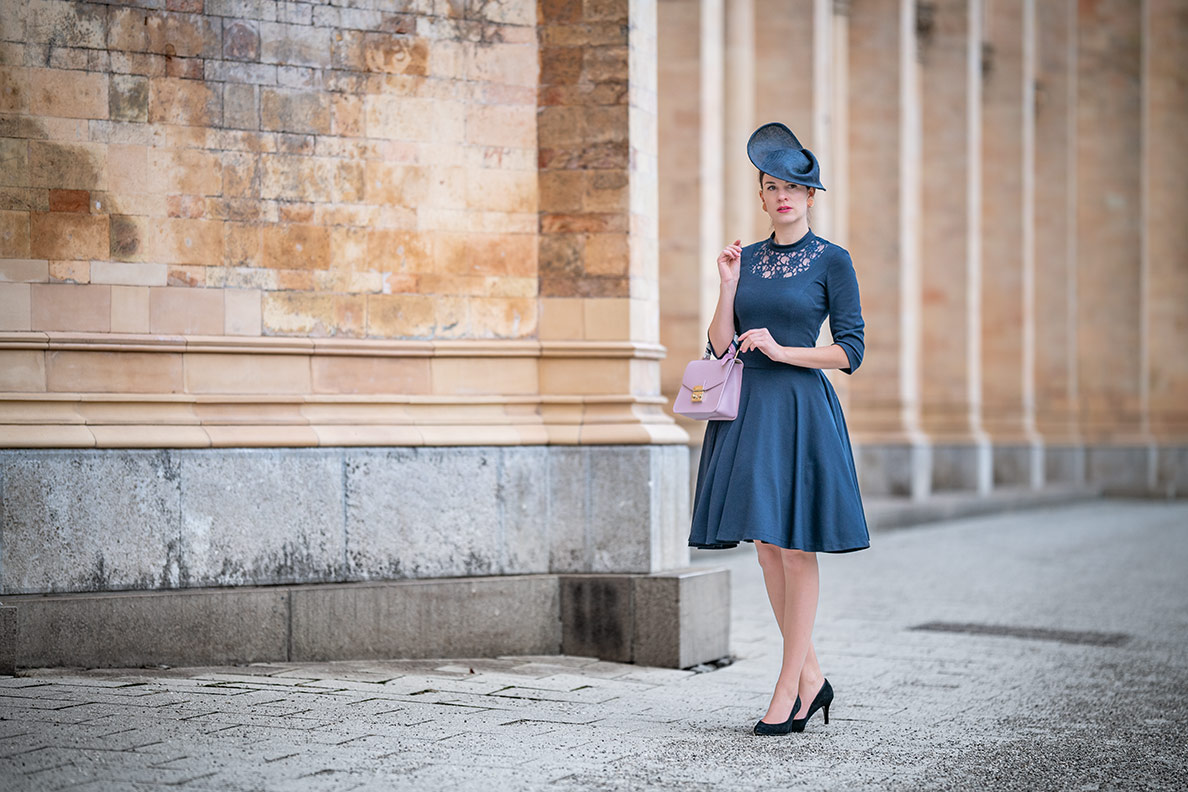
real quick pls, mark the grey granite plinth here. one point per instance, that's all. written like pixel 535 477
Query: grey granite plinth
pixel 1064 464
pixel 1171 475
pixel 8 639
pixel 965 467
pixel 1018 466
pixel 678 619
pixel 1121 469
pixel 426 618
pixel 901 470
pixel 118 520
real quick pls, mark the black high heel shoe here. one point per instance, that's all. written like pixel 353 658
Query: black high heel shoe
pixel 822 701
pixel 764 728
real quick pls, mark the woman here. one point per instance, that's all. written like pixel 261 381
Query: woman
pixel 781 474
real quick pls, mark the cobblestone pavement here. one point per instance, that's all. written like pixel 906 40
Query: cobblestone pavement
pixel 1058 662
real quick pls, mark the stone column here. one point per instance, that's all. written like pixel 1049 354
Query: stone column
pixel 690 204
pixel 599 273
pixel 1055 243
pixel 951 66
pixel 1110 349
pixel 1165 235
pixel 884 202
pixel 1007 235
pixel 742 218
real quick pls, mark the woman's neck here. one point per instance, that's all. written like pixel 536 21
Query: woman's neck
pixel 791 234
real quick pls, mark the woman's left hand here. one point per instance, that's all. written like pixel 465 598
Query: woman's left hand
pixel 759 338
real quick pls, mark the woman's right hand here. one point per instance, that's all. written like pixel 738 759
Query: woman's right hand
pixel 729 261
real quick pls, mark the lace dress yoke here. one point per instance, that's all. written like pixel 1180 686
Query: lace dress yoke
pixel 778 262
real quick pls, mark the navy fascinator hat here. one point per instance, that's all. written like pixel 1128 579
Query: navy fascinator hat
pixel 774 150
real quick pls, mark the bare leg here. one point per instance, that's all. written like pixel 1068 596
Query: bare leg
pixel 773 578
pixel 801 581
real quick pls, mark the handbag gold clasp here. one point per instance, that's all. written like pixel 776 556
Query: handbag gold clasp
pixel 698 393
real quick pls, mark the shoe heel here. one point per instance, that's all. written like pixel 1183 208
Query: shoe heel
pixel 825 709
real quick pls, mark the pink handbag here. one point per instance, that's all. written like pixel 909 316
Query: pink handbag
pixel 710 388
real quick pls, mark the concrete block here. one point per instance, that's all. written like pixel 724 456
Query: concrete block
pixel 682 617
pixel 8 639
pixel 523 501
pixel 423 512
pixel 597 616
pixel 621 495
pixel 441 618
pixel 82 520
pixel 261 516
pixel 568 499
pixel 196 627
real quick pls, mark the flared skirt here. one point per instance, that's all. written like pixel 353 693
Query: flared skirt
pixel 782 471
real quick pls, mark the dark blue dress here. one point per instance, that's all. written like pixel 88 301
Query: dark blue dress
pixel 782 471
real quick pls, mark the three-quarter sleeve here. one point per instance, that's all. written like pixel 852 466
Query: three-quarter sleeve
pixel 845 309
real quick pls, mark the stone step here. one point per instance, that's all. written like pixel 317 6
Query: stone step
pixel 885 513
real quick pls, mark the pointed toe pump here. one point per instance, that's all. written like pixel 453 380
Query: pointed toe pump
pixel 821 702
pixel 764 728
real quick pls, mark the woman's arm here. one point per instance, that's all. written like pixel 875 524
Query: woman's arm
pixel 828 357
pixel 721 329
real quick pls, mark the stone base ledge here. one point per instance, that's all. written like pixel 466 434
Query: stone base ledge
pixel 677 619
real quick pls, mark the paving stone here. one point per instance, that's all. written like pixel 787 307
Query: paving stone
pixel 915 709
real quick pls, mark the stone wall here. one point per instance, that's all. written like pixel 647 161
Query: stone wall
pixel 281 223
pixel 271 168
pixel 1004 175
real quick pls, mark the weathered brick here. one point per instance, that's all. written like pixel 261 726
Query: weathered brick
pixel 184 102
pixel 185 6
pixel 185 171
pixel 240 72
pixel 241 106
pixel 241 39
pixel 243 9
pixel 298 77
pixel 70 201
pixel 184 68
pixel 296 247
pixel 127 168
pixel 240 174
pixel 126 241
pixel 65 24
pixel 128 98
pixel 70 271
pixel 318 315
pixel 294 13
pixel 303 112
pixel 64 235
pixel 399 251
pixel 401 316
pixel 14 234
pixel 385 53
pixel 297 45
pixel 67 94
pixel 142 63
pixel 242 244
pixel 347 116
pixel 191 206
pixel 79 166
pixel 164 33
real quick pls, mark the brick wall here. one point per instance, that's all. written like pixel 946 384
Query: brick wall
pixel 249 167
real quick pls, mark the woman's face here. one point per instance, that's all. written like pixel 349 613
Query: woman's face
pixel 785 203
